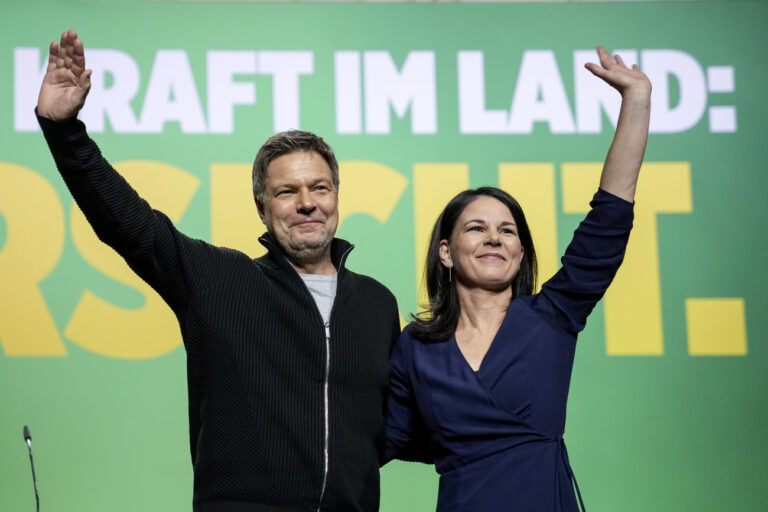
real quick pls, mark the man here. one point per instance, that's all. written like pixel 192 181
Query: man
pixel 287 354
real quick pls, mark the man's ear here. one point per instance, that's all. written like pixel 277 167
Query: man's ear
pixel 260 208
pixel 445 254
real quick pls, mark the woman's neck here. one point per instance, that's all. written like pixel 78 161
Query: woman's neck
pixel 480 309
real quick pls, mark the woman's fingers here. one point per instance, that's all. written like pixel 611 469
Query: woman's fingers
pixel 596 70
pixel 605 57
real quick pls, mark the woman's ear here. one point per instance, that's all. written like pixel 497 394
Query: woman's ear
pixel 445 254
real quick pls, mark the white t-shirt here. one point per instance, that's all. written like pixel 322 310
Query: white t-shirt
pixel 323 290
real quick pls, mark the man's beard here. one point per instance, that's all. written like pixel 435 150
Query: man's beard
pixel 308 251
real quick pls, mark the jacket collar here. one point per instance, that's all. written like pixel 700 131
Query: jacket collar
pixel 340 249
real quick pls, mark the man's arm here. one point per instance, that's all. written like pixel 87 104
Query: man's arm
pixel 146 238
pixel 622 164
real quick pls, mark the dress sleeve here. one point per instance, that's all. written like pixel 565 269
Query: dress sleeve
pixel 144 237
pixel 590 262
pixel 406 437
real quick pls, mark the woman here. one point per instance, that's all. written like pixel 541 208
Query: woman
pixel 479 384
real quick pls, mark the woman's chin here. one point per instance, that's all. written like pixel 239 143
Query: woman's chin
pixel 492 284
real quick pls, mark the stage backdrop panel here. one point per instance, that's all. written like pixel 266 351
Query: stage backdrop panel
pixel 668 405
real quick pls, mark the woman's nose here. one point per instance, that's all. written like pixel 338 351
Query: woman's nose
pixel 492 238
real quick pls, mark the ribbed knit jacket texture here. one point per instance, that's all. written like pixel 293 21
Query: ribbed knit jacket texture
pixel 256 352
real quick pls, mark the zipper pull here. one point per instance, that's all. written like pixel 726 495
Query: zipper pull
pixel 328 330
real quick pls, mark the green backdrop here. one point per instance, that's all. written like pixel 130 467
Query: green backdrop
pixel 667 407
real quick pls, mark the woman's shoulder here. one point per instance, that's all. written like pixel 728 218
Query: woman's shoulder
pixel 408 336
pixel 402 353
pixel 414 332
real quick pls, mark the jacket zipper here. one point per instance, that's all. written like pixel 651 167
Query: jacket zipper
pixel 326 377
pixel 326 399
pixel 326 436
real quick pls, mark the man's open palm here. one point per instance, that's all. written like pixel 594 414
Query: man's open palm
pixel 66 82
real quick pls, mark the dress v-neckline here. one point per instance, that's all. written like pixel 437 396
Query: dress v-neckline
pixel 482 364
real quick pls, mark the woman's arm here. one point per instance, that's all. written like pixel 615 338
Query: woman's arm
pixel 594 255
pixel 405 434
pixel 622 164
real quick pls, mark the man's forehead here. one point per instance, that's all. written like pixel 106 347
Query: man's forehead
pixel 298 166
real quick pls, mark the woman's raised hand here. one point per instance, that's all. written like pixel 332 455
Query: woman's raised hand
pixel 622 164
pixel 628 81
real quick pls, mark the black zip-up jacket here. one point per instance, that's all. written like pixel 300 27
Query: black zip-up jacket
pixel 257 358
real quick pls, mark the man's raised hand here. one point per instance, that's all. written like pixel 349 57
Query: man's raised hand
pixel 66 82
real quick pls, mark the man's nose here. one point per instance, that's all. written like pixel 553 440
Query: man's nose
pixel 306 201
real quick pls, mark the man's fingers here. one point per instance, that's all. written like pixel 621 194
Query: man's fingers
pixel 70 47
pixel 70 35
pixel 619 60
pixel 78 54
pixel 62 53
pixel 77 47
pixel 85 80
pixel 69 54
pixel 60 58
pixel 53 51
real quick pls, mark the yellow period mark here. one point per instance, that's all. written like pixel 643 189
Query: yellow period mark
pixel 716 327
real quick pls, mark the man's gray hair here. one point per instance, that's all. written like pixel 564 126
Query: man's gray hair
pixel 285 143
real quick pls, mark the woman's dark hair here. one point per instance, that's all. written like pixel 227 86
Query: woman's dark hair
pixel 438 320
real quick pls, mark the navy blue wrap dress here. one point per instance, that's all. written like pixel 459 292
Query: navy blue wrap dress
pixel 496 435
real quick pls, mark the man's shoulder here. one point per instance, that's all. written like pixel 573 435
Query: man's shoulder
pixel 220 254
pixel 369 285
pixel 366 281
